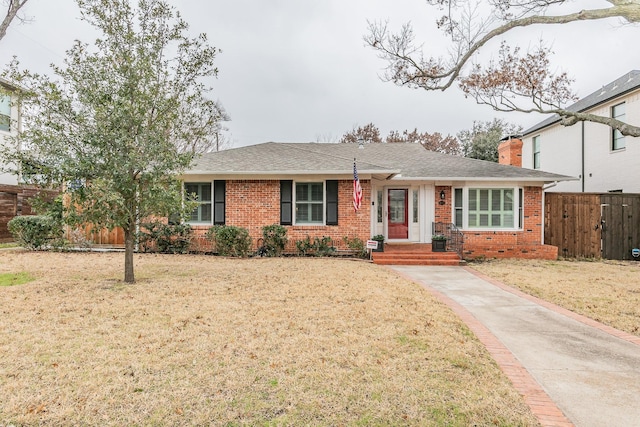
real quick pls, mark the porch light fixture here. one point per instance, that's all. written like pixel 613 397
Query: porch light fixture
pixel 442 194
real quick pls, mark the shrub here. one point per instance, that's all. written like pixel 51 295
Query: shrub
pixel 230 240
pixel 274 240
pixel 319 247
pixel 36 232
pixel 304 246
pixel 357 245
pixel 165 238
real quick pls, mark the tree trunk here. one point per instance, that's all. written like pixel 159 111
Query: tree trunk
pixel 129 242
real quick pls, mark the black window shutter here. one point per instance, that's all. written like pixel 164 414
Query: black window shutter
pixel 219 195
pixel 332 202
pixel 286 202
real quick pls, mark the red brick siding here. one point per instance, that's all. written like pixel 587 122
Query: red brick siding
pixel 510 152
pixel 443 210
pixel 252 204
pixel 526 243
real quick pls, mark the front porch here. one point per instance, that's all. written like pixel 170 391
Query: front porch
pixel 414 254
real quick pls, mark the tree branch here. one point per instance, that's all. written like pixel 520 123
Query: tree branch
pixel 398 49
pixel 12 11
pixel 516 78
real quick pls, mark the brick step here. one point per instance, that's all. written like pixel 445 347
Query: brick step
pixel 416 255
pixel 430 258
pixel 441 262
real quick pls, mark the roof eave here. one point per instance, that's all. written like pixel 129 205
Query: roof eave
pixel 486 179
pixel 538 128
pixel 292 172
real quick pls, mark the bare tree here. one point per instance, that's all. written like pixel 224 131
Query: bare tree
pixel 515 82
pixel 430 141
pixel 326 137
pixel 13 6
pixel 366 133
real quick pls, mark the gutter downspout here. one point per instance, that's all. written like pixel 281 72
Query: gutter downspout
pixel 582 149
pixel 544 189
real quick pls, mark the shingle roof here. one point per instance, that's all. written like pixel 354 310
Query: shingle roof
pixel 410 161
pixel 616 88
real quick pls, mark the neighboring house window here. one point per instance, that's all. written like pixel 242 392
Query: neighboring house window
pixel 309 203
pixel 491 208
pixel 457 206
pixel 617 139
pixel 202 193
pixel 5 113
pixel 536 152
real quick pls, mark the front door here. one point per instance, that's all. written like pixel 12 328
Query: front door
pixel 398 218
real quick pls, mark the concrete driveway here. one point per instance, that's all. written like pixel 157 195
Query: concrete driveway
pixel 592 375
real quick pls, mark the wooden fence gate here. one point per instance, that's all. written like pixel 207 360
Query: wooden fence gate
pixel 593 225
pixel 620 225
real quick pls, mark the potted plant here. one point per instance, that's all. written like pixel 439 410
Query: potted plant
pixel 438 243
pixel 380 239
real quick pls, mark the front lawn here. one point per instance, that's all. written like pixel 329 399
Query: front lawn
pixel 606 291
pixel 210 341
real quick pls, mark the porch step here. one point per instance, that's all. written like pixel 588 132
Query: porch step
pixel 414 254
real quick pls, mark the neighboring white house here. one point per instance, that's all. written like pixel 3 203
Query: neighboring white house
pixel 10 124
pixel 602 159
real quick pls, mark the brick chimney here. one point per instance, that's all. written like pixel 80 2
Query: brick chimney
pixel 510 151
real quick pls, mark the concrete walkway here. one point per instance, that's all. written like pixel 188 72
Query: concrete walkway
pixel 553 356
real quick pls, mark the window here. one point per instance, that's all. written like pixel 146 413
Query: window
pixel 5 113
pixel 491 208
pixel 415 206
pixel 536 152
pixel 309 203
pixel 202 193
pixel 316 203
pixel 379 207
pixel 617 139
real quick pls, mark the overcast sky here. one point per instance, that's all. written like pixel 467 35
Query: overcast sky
pixel 298 70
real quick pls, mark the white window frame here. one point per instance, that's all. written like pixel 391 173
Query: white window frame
pixel 536 151
pixel 379 206
pixel 323 184
pixel 200 203
pixel 5 101
pixel 518 204
pixel 617 138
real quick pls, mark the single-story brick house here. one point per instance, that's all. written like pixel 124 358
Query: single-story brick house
pixel 308 188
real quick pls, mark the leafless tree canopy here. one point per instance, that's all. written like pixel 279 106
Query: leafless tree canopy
pixel 13 6
pixel 370 133
pixel 517 81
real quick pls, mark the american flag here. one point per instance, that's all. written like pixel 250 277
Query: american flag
pixel 357 190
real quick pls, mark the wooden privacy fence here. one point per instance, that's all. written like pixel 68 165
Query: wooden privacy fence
pixel 90 235
pixel 15 200
pixel 593 225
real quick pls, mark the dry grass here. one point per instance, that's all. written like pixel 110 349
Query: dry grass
pixel 607 291
pixel 210 341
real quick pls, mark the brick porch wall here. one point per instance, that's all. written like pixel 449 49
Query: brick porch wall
pixel 252 204
pixel 504 244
